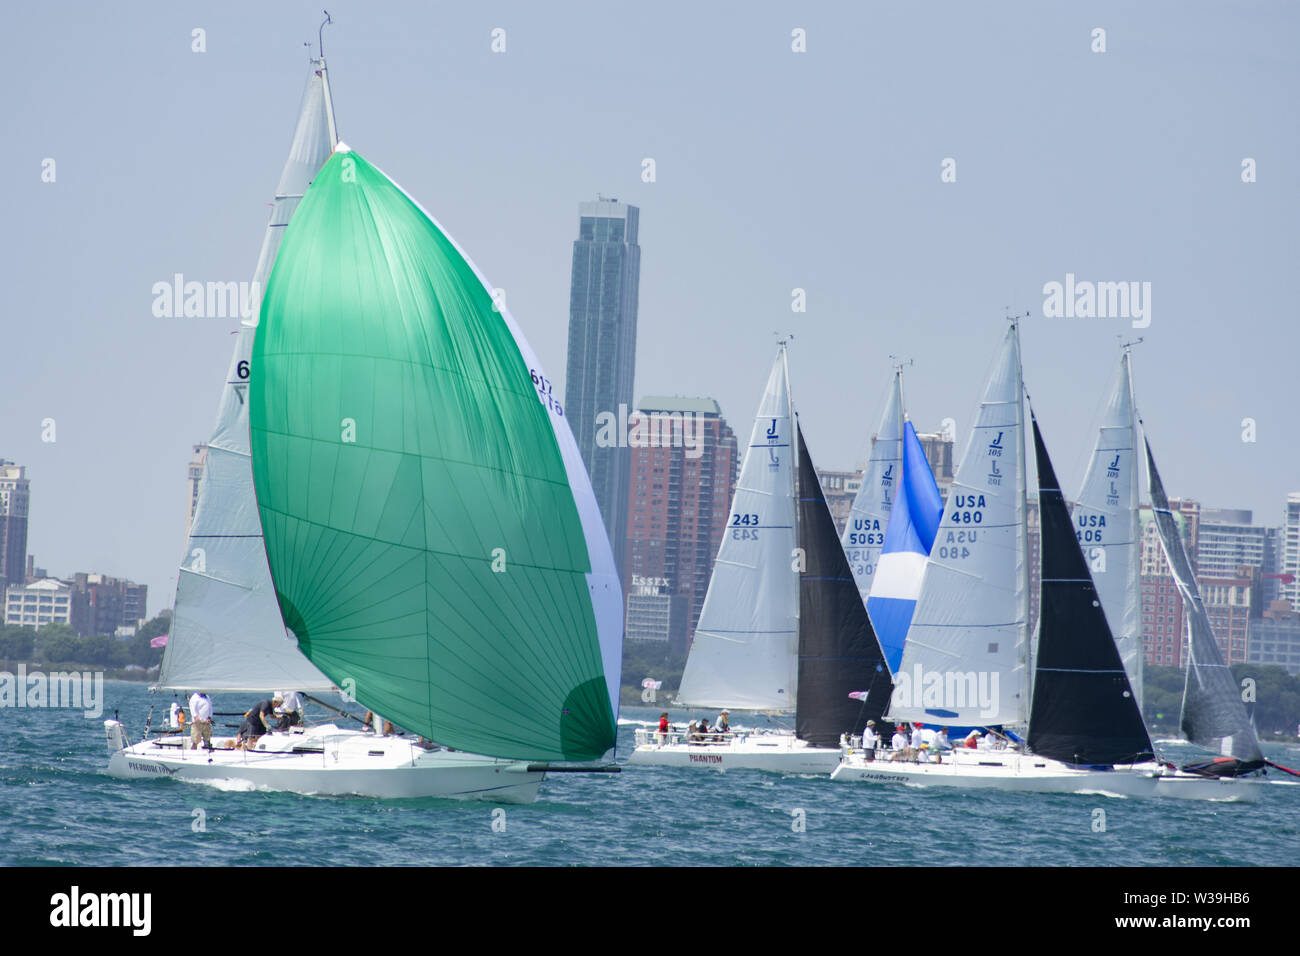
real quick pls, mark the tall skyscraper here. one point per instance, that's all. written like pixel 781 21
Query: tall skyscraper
pixel 14 495
pixel 602 351
pixel 679 499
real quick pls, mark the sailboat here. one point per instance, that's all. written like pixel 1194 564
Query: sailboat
pixel 783 626
pixel 1085 728
pixel 422 519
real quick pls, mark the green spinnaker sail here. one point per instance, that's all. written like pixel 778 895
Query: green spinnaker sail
pixel 420 527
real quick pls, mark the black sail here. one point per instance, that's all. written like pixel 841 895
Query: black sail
pixel 1213 714
pixel 838 649
pixel 1083 709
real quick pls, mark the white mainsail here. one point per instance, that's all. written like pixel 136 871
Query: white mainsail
pixel 227 633
pixel 864 533
pixel 965 660
pixel 1107 526
pixel 745 653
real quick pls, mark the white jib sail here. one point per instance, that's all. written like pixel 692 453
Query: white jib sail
pixel 864 533
pixel 745 653
pixel 964 662
pixel 227 633
pixel 1107 526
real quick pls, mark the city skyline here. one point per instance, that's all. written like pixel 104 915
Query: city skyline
pixel 823 174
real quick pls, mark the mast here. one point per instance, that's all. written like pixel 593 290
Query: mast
pixel 1022 499
pixel 325 82
pixel 1137 672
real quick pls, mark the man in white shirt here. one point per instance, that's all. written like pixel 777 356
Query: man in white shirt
pixel 899 744
pixel 918 738
pixel 870 740
pixel 290 709
pixel 200 720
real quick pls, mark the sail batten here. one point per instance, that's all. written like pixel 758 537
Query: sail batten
pixel 426 513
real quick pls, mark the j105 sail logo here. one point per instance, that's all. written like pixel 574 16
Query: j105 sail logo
pixel 773 437
pixel 205 300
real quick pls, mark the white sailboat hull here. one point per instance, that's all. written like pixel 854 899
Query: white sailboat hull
pixel 779 753
pixel 329 761
pixel 1007 770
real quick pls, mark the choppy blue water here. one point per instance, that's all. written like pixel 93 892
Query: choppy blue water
pixel 58 806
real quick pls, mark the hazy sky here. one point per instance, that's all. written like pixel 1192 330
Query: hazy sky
pixel 774 170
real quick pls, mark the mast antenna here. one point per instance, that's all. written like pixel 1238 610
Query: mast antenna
pixel 320 34
pixel 784 338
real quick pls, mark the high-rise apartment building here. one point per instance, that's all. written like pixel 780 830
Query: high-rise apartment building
pixel 101 604
pixel 602 351
pixel 14 496
pixel 840 488
pixel 1163 636
pixel 1289 550
pixel 684 465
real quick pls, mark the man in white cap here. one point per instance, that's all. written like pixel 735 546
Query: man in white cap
pixel 870 740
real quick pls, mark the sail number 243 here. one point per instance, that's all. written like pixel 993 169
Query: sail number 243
pixel 744 527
